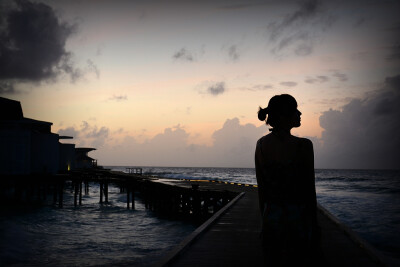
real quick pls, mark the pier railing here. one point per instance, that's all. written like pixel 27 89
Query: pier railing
pixel 134 170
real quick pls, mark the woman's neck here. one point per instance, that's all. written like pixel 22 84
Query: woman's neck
pixel 281 131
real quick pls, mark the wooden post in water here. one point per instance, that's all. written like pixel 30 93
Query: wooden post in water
pixel 146 198
pixel 106 191
pixel 101 192
pixel 127 197
pixel 80 192
pixel 133 198
pixel 75 183
pixel 86 187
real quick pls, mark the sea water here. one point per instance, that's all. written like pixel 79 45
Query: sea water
pixel 93 234
pixel 367 201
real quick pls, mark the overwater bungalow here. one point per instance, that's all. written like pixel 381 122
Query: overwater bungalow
pixel 27 146
pixel 82 160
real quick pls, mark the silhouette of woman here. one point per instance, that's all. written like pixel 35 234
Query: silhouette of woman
pixel 286 186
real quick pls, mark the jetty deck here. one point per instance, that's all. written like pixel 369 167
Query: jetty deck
pixel 231 238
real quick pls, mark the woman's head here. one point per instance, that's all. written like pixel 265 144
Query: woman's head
pixel 282 112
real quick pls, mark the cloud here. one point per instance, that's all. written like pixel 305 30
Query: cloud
pixel 240 6
pixel 332 101
pixel 86 134
pixel 233 146
pixel 93 132
pixel 93 68
pixel 323 78
pixel 317 79
pixel 263 86
pixel 118 98
pixel 359 22
pixel 184 55
pixel 233 53
pixel 258 87
pixel 359 55
pixel 288 84
pixel 7 87
pixel 32 44
pixel 69 131
pixel 297 31
pixel 119 131
pixel 303 49
pixel 394 53
pixel 216 89
pixel 340 76
pixel 394 46
pixel 393 82
pixel 365 133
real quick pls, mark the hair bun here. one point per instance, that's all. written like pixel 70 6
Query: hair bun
pixel 262 113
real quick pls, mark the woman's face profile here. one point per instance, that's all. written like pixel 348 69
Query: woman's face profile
pixel 295 118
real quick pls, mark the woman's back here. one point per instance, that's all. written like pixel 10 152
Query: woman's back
pixel 284 172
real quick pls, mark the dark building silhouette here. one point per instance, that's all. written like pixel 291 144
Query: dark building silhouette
pixel 82 160
pixel 28 146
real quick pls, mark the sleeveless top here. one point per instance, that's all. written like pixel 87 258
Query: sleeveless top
pixel 286 194
pixel 282 182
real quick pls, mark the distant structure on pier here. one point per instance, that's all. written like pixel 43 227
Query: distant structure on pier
pixel 28 146
pixel 83 161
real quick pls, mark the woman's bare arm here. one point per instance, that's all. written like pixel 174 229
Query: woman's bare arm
pixel 310 175
pixel 259 176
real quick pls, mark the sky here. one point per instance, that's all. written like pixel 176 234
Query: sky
pixel 179 83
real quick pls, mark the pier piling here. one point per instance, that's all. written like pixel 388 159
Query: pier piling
pixel 75 184
pixel 133 198
pixel 106 191
pixel 127 198
pixel 80 193
pixel 86 187
pixel 101 192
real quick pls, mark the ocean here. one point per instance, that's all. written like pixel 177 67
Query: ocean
pixel 367 201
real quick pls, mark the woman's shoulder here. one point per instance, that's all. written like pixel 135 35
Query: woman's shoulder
pixel 266 140
pixel 305 141
pixel 305 144
pixel 265 137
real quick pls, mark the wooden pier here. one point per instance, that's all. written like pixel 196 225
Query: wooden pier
pixel 173 199
pixel 232 238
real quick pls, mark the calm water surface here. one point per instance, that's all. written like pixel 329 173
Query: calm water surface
pixel 89 235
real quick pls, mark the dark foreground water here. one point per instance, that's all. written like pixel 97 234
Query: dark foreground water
pixel 367 201
pixel 89 235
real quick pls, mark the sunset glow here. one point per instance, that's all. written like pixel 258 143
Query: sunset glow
pixel 148 80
